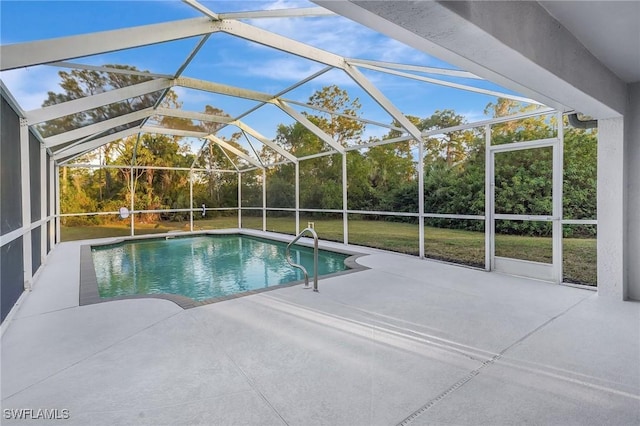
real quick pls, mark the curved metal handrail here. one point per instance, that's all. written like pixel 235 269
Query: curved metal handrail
pixel 315 258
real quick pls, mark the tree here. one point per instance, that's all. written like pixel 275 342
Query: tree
pixel 340 128
pixel 392 164
pixel 451 147
pixel 580 176
pixel 531 128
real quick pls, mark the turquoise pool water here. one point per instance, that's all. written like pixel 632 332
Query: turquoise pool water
pixel 203 267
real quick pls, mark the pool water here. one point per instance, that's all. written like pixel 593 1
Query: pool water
pixel 203 267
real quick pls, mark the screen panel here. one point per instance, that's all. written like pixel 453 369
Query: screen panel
pixel 10 175
pixel 11 274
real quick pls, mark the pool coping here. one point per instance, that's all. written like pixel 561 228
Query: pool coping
pixel 89 294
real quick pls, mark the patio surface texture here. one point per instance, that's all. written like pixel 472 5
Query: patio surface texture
pixel 406 342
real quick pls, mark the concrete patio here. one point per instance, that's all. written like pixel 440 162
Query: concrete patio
pixel 405 342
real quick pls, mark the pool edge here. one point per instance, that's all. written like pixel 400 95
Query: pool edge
pixel 88 289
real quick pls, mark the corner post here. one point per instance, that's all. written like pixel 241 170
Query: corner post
pixel 297 164
pixel 25 190
pixel 421 198
pixel 239 200
pixel 264 199
pixel 488 200
pixel 345 205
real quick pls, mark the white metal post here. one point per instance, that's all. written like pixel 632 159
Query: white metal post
pixel 239 200
pixel 43 204
pixel 345 216
pixel 191 200
pixel 421 198
pixel 557 195
pixel 492 195
pixel 488 199
pixel 57 201
pixel 26 202
pixel 264 199
pixel 297 197
pixel 52 201
pixel 133 205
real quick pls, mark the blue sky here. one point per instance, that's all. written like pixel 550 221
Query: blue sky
pixel 233 61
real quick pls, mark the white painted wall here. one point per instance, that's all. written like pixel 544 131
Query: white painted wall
pixel 611 209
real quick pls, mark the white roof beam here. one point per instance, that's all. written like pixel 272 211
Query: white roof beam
pixel 309 125
pixel 234 150
pixel 385 103
pixel 242 126
pixel 352 117
pixel 203 9
pixel 96 143
pixel 450 84
pixel 301 12
pixel 318 155
pixel 192 115
pixel 223 89
pixel 107 69
pixel 514 117
pixel 172 132
pixel 90 102
pixel 78 142
pixel 380 142
pixel 282 43
pixel 64 48
pixel 96 128
pixel 63 161
pixel 418 68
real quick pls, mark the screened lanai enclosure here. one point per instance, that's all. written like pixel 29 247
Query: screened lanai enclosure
pixel 275 120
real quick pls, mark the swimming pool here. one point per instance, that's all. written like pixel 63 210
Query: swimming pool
pixel 202 268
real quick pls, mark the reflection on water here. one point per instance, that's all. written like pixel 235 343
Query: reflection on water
pixel 203 267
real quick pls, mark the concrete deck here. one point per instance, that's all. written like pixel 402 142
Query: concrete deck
pixel 405 342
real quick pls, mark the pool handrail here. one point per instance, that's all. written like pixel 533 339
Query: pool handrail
pixel 315 258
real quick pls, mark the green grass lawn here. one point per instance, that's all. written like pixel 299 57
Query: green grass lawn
pixel 452 245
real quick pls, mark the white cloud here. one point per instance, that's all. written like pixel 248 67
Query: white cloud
pixel 340 36
pixel 29 86
pixel 288 4
pixel 293 70
pixel 290 69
